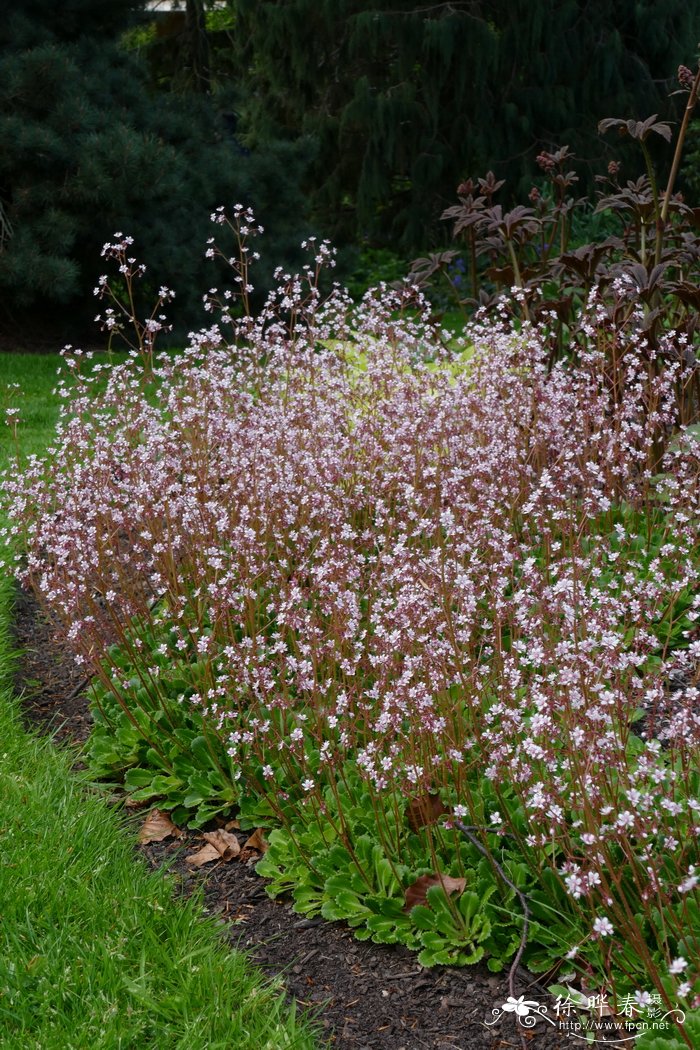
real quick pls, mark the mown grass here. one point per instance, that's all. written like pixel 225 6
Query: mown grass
pixel 95 951
pixel 35 375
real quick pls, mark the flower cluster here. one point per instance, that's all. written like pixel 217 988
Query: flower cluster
pixel 432 561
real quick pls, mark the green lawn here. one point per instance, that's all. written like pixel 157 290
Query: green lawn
pixel 95 952
pixel 36 376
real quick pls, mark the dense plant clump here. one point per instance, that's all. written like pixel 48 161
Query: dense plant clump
pixel 647 235
pixel 426 607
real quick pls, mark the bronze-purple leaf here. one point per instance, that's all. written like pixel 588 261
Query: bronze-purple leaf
pixel 637 129
pixel 425 268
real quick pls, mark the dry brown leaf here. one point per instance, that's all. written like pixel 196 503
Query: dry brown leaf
pixel 416 893
pixel 257 841
pixel 426 809
pixel 158 826
pixel 232 825
pixel 220 845
pixel 226 843
pixel 129 802
pixel 205 855
pixel 242 915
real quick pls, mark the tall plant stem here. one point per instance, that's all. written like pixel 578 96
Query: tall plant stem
pixel 468 833
pixel 655 194
pixel 692 99
pixel 517 274
pixel 472 265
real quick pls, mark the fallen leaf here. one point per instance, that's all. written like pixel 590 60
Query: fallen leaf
pixel 158 826
pixel 205 855
pixel 416 893
pixel 425 809
pixel 221 845
pixel 226 843
pixel 242 915
pixel 257 841
pixel 232 825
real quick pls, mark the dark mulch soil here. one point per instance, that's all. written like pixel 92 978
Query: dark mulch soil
pixel 51 684
pixel 365 996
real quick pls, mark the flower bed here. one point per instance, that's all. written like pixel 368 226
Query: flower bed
pixel 434 624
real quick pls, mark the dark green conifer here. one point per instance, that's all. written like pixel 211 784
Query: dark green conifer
pixel 90 147
pixel 407 98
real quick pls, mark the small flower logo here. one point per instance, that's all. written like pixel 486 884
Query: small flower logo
pixel 520 1006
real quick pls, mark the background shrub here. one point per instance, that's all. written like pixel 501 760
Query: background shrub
pixel 90 146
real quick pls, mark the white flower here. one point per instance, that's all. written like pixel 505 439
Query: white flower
pixel 603 927
pixel 678 965
pixel 307 784
pixel 690 883
pixel 574 885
